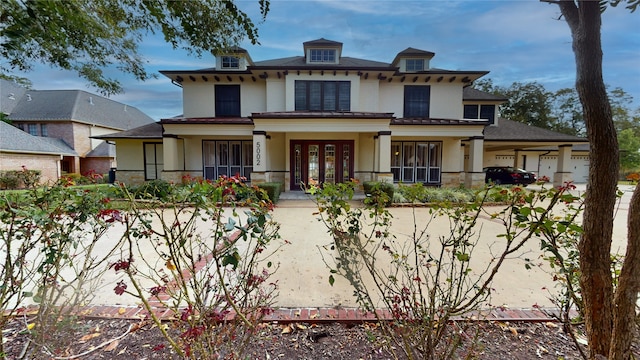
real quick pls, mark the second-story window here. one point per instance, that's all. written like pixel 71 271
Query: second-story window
pixel 230 62
pixel 323 95
pixel 227 100
pixel 33 129
pixel 323 55
pixel 416 101
pixel 43 130
pixel 414 65
pixel 485 112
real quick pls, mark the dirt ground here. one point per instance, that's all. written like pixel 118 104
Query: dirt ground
pixel 125 339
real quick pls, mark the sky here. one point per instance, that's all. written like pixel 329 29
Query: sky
pixel 516 40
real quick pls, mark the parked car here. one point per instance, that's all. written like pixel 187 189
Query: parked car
pixel 508 175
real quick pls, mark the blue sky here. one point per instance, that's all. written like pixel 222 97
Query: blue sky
pixel 516 40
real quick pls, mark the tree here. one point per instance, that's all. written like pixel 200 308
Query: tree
pixel 567 112
pixel 609 320
pixel 629 144
pixel 90 36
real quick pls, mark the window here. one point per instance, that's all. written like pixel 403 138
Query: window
pixel 228 158
pixel 230 62
pixel 323 95
pixel 33 129
pixel 153 161
pixel 43 130
pixel 414 65
pixel 323 55
pixel 416 101
pixel 416 161
pixel 486 112
pixel 227 100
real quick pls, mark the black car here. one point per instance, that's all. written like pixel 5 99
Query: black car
pixel 508 175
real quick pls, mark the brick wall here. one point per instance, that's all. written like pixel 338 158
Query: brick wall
pixel 98 165
pixel 47 164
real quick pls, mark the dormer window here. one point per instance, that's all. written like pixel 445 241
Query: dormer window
pixel 323 55
pixel 413 65
pixel 230 62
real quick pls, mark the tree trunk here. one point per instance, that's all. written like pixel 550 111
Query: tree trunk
pixel 584 21
pixel 624 325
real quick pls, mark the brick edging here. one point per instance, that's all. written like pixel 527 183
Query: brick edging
pixel 315 314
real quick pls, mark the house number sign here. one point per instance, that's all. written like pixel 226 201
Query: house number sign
pixel 258 152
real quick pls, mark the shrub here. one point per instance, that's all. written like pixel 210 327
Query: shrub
pixel 272 189
pixel 15 179
pixel 154 189
pixel 375 189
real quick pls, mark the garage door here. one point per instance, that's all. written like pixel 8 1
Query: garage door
pixel 547 166
pixel 580 168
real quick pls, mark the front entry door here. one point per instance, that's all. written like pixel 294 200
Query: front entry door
pixel 323 161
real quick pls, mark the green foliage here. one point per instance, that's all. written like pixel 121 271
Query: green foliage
pixel 629 151
pixel 18 179
pixel 272 189
pixel 532 104
pixel 377 191
pixel 50 254
pixel 567 112
pixel 91 36
pixel 425 279
pixel 418 193
pixel 153 190
pixel 208 261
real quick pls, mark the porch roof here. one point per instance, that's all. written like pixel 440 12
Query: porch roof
pixel 321 114
pixel 149 131
pixel 432 121
pixel 208 120
pixel 509 130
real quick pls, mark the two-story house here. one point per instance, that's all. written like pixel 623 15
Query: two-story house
pixel 62 122
pixel 325 117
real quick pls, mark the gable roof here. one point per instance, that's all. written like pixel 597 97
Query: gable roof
pixel 321 42
pixel 277 67
pixel 79 106
pixel 13 139
pixel 509 130
pixel 10 94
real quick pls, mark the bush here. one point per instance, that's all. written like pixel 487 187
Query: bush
pixel 15 179
pixel 154 189
pixel 8 180
pixel 272 189
pixel 373 189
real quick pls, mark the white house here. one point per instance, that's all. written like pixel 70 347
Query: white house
pixel 327 117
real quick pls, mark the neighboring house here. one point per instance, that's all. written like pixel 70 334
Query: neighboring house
pixel 326 117
pixel 68 118
pixel 18 149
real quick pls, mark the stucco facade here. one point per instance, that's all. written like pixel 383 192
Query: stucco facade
pixel 325 117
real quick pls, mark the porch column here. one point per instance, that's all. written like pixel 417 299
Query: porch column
pixel 563 168
pixel 171 163
pixel 452 164
pixel 384 157
pixel 474 176
pixel 516 159
pixel 258 175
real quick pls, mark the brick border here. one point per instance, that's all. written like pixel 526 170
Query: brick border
pixel 313 314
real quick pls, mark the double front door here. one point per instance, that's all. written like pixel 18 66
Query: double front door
pixel 324 161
